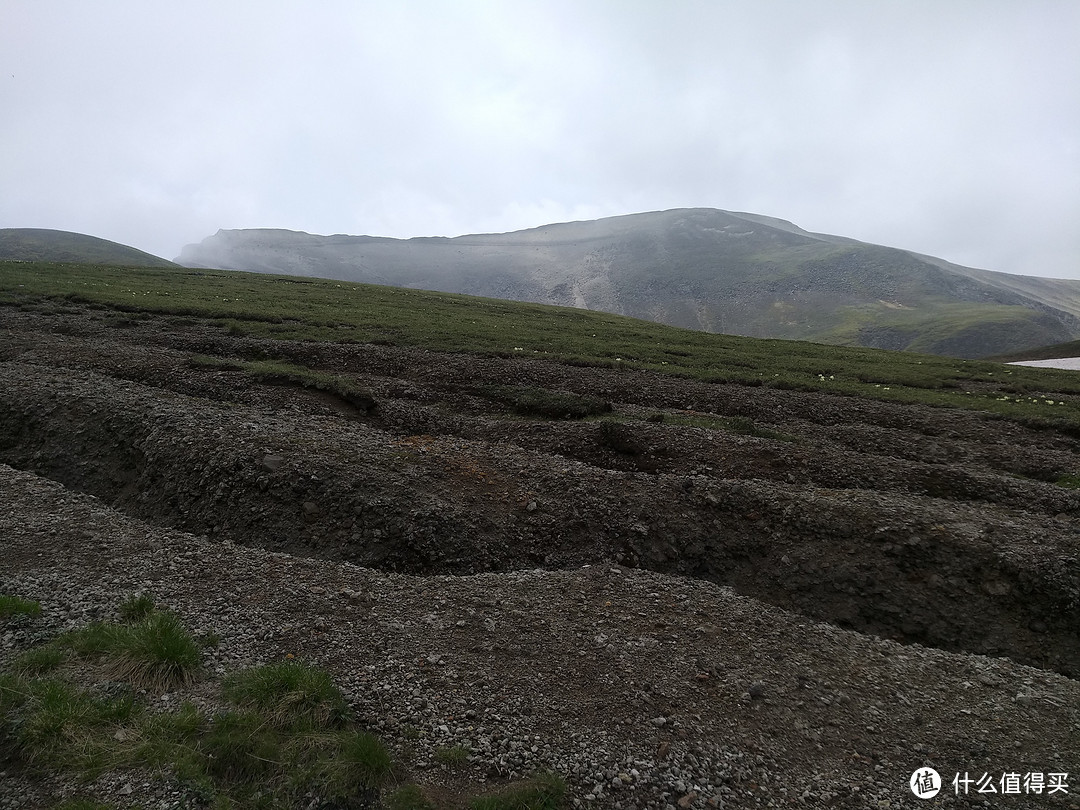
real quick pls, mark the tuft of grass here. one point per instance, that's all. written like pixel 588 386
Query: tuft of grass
pixel 16 606
pixel 40 660
pixel 452 756
pixel 360 760
pixel 94 640
pixel 291 695
pixel 153 650
pixel 136 606
pixel 210 639
pixel 55 723
pixel 157 652
pixel 541 792
pixel 1070 481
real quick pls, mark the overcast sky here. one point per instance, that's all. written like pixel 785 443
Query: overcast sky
pixel 950 127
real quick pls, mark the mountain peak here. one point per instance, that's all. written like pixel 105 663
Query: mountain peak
pixel 701 268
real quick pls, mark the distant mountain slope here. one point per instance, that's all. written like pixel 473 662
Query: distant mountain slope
pixel 45 245
pixel 707 269
pixel 1057 351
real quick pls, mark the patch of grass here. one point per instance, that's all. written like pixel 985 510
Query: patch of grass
pixel 409 797
pixel 541 792
pixel 208 363
pixel 281 307
pixel 40 660
pixel 13 694
pixel 290 695
pixel 1070 481
pixel 17 606
pixel 157 652
pixel 289 738
pixel 275 372
pixel 530 401
pixel 288 742
pixel 453 756
pixel 56 724
pixel 239 752
pixel 94 640
pixel 239 747
pixel 358 759
pixel 731 424
pixel 136 606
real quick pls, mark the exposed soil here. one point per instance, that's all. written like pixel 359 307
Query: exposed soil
pixel 648 564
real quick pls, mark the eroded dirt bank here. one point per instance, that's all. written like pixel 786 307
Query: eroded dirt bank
pixel 918 524
pixel 643 690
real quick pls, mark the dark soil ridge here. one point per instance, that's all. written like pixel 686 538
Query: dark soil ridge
pixel 642 690
pixel 906 522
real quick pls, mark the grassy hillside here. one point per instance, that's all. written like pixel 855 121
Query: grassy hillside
pixel 313 309
pixel 1052 352
pixel 43 244
pixel 706 269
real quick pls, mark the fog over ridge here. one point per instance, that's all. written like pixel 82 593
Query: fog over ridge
pixel 943 128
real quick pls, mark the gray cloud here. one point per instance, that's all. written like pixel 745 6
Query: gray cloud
pixel 948 128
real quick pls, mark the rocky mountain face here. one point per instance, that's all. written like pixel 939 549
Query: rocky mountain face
pixel 707 269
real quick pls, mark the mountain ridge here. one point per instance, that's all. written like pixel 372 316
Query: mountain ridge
pixel 708 269
pixel 48 244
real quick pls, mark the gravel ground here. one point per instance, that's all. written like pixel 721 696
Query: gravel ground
pixel 642 689
pixel 669 625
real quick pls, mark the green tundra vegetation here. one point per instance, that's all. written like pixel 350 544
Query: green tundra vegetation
pixel 79 704
pixel 293 308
